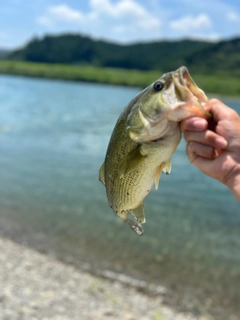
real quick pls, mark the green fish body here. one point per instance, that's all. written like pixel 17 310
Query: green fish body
pixel 143 141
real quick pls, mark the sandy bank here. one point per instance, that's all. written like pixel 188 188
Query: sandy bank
pixel 35 286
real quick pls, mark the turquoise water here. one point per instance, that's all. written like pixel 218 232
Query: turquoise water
pixel 53 138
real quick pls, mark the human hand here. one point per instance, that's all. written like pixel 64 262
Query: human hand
pixel 214 147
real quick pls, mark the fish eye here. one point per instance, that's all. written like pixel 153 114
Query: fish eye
pixel 158 85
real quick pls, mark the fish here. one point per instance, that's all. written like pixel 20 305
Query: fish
pixel 144 139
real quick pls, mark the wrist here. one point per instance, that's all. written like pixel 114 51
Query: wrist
pixel 233 183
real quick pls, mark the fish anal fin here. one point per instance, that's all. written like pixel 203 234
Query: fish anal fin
pixel 138 213
pixel 102 174
pixel 167 167
pixel 131 161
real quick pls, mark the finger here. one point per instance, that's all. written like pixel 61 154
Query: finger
pixel 192 156
pixel 219 110
pixel 194 124
pixel 195 149
pixel 206 165
pixel 207 137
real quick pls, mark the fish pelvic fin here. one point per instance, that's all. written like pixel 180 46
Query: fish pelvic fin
pixel 167 167
pixel 131 161
pixel 158 174
pixel 102 174
pixel 138 213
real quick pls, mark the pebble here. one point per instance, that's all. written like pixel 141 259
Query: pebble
pixel 35 286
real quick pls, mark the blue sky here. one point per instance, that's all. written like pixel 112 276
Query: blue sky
pixel 121 21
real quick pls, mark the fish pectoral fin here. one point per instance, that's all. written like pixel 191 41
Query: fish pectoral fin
pixel 102 174
pixel 167 167
pixel 138 213
pixel 131 161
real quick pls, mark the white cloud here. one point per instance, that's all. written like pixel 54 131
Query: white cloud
pixel 123 8
pixel 189 23
pixel 65 13
pixel 119 18
pixel 60 13
pixel 102 7
pixel 232 16
pixel 133 14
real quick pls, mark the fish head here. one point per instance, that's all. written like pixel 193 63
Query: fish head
pixel 167 101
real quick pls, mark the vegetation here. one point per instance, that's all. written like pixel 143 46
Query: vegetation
pixel 214 66
pixel 77 49
pixel 206 57
pixel 80 73
pixel 3 53
pixel 225 84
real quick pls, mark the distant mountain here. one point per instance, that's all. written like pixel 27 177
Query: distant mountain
pixel 198 56
pixel 222 56
pixel 3 53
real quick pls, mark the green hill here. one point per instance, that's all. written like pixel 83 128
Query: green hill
pixel 198 56
pixel 3 53
pixel 214 66
pixel 224 56
pixel 77 49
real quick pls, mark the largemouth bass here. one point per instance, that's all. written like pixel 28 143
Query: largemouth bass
pixel 144 139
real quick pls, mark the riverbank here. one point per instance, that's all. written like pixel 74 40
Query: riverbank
pixel 36 286
pixel 221 84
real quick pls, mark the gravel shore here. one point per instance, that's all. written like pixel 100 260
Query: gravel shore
pixel 38 287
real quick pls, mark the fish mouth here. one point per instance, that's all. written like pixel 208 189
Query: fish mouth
pixel 191 99
pixel 185 86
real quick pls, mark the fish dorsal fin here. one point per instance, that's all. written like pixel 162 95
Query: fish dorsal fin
pixel 167 167
pixel 102 174
pixel 138 213
pixel 131 161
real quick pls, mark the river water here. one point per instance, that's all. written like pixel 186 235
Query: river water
pixel 53 139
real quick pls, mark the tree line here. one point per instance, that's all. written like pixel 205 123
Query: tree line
pixel 199 56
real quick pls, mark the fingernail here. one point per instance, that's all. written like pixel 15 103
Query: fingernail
pixel 221 142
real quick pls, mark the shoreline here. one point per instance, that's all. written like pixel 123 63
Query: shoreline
pixel 218 84
pixel 37 286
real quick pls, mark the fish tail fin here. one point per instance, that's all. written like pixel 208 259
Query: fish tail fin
pixel 135 226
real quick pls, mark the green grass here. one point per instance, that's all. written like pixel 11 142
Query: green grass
pixel 222 84
pixel 79 73
pixel 219 84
